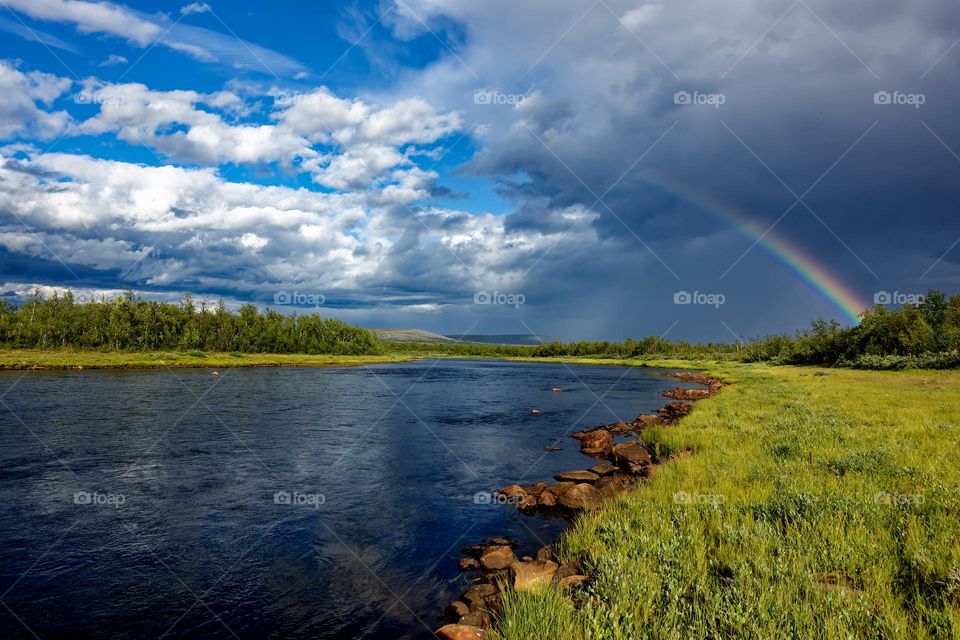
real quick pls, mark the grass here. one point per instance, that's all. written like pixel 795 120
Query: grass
pixel 74 359
pixel 89 359
pixel 815 504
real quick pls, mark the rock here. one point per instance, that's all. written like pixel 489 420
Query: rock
pixel 556 389
pixel 632 457
pixel 596 441
pixel 560 488
pixel 612 486
pixel 477 596
pixel 215 373
pixel 573 582
pixel 529 575
pixel 697 378
pixel 497 557
pixel 459 632
pixel 456 610
pixel 547 499
pixel 619 427
pixel 536 489
pixel 674 411
pixel 478 618
pixel 577 476
pixel 688 394
pixel 603 469
pixel 545 552
pixel 468 564
pixel 534 411
pixel 581 496
pixel 647 420
pixel 474 551
pixel 503 540
pixel 568 569
pixel 552 449
pixel 527 503
pixel 512 490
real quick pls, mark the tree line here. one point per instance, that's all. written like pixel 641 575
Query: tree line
pixel 128 322
pixel 922 335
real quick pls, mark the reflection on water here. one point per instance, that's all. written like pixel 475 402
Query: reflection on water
pixel 281 503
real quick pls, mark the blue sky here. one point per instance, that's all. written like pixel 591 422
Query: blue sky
pixel 587 161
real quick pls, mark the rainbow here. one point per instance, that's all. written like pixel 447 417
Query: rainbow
pixel 813 275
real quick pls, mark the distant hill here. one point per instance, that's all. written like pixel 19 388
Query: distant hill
pixel 506 338
pixel 412 335
pixel 428 337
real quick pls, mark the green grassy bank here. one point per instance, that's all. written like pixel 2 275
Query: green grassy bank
pixel 806 504
pixel 82 359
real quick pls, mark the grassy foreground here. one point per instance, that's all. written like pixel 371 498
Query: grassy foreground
pixel 82 359
pixel 812 504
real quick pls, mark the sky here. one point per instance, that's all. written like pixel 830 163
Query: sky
pixel 706 170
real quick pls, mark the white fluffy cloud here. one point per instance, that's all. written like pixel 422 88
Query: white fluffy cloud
pixel 189 229
pixel 20 114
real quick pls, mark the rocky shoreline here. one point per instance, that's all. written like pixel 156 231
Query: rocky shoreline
pixel 619 467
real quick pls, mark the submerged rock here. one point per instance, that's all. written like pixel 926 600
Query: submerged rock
pixel 468 564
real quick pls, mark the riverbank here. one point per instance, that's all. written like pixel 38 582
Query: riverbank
pixel 814 503
pixel 82 359
pixel 72 359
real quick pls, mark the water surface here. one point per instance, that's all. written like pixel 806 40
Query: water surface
pixel 276 503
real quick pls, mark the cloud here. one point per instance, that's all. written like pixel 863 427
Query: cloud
pixel 144 30
pixel 113 60
pixel 344 144
pixel 172 228
pixel 35 35
pixel 196 7
pixel 20 115
pixel 92 17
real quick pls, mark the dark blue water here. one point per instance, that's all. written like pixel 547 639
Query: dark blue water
pixel 275 503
